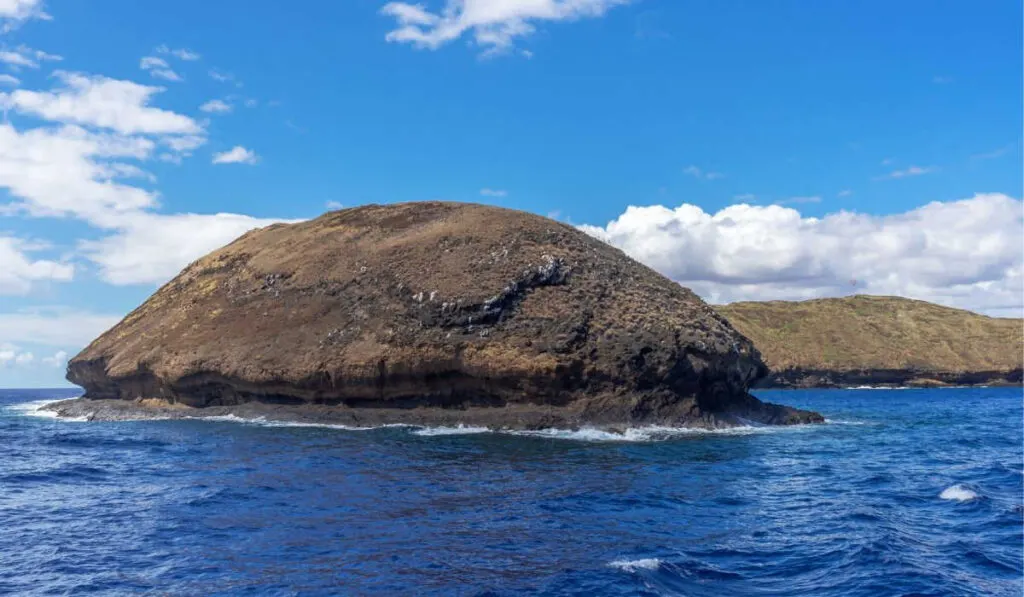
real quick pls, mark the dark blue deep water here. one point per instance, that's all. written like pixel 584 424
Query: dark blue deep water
pixel 906 492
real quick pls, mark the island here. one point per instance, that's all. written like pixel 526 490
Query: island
pixel 427 313
pixel 879 341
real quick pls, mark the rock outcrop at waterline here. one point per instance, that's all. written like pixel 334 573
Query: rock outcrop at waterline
pixel 434 311
pixel 879 341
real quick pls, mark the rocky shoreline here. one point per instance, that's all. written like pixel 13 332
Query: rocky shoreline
pixel 514 417
pixel 895 378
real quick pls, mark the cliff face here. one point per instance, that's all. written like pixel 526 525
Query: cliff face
pixel 877 340
pixel 425 307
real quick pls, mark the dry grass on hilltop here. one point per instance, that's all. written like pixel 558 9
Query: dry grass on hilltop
pixel 877 332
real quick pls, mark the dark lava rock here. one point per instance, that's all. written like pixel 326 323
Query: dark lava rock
pixel 432 312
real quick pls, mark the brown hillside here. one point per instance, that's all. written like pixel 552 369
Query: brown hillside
pixel 865 333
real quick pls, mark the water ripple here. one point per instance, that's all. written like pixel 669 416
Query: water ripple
pixel 904 492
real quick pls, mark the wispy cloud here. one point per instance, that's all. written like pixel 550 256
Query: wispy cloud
pixel 745 197
pixel 333 205
pixel 844 193
pixel 908 172
pixel 494 26
pixel 24 56
pixel 215 106
pixel 991 155
pixel 697 172
pixel 493 192
pixel 295 128
pixel 179 53
pixel 799 200
pixel 158 68
pixel 942 80
pixel 647 26
pixel 236 155
pixel 223 77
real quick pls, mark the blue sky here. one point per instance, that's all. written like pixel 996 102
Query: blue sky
pixel 782 149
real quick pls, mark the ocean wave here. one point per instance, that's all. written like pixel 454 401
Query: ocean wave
pixel 634 565
pixel 650 433
pixel 881 388
pixel 457 430
pixel 37 408
pixel 264 422
pixel 959 493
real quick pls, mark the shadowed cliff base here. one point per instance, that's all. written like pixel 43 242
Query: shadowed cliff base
pixel 432 313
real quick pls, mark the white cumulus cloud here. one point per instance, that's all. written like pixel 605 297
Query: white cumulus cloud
pixel 18 271
pixel 236 155
pixel 98 101
pixel 70 171
pixel 964 253
pixel 493 24
pixel 14 12
pixel 57 360
pixel 53 326
pixel 153 248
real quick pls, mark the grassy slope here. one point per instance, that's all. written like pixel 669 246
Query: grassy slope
pixel 877 332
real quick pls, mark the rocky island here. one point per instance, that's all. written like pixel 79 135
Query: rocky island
pixel 430 314
pixel 879 341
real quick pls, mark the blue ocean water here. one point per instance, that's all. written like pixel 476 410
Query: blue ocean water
pixel 905 492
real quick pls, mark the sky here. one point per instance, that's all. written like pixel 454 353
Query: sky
pixel 749 150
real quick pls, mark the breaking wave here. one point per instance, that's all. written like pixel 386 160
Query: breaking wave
pixel 959 493
pixel 651 433
pixel 37 408
pixel 457 430
pixel 634 565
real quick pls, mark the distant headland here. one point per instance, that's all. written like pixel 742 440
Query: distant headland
pixel 879 341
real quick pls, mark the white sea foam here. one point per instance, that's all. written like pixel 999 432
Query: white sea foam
pixel 36 408
pixel 881 388
pixel 457 430
pixel 634 565
pixel 653 432
pixel 585 434
pixel 959 493
pixel 264 422
pixel 631 434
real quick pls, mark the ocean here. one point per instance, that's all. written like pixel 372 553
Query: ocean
pixel 903 492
